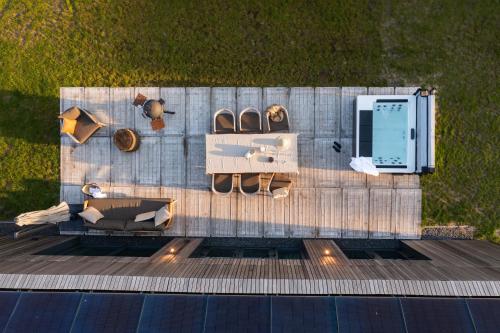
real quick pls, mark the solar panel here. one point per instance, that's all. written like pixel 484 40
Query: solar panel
pixel 8 301
pixel 485 314
pixel 108 313
pixel 173 313
pixel 438 315
pixel 303 314
pixel 238 314
pixel 44 312
pixel 369 314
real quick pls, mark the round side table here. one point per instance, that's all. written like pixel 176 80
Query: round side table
pixel 126 140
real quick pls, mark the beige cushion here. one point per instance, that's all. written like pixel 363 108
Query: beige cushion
pixel 69 126
pixel 280 193
pixel 72 113
pixel 162 216
pixel 145 216
pixel 91 215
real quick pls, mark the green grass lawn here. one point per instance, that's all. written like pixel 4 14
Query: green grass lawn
pixel 444 43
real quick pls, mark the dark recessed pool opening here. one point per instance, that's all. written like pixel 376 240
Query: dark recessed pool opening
pixel 378 249
pixel 99 246
pixel 251 248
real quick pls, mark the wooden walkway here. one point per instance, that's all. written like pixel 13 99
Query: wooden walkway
pixel 457 268
pixel 328 198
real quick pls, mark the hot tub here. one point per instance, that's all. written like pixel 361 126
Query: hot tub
pixel 396 131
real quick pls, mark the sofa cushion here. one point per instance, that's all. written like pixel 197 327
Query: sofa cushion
pixel 143 226
pixel 145 216
pixel 107 224
pixel 69 126
pixel 162 215
pixel 91 215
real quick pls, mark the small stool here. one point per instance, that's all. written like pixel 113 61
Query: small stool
pixel 126 140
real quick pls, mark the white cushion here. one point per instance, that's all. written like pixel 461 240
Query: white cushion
pixel 162 215
pixel 91 214
pixel 145 216
pixel 280 193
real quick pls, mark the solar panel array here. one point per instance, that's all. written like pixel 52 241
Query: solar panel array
pixel 106 312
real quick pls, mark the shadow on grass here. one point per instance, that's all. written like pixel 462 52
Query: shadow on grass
pixel 29 117
pixel 35 194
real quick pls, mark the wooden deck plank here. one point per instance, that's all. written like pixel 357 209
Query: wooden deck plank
pixel 97 156
pixel 250 215
pixel 223 215
pixel 276 216
pixel 123 166
pixel 196 176
pixel 71 96
pixel 197 110
pixel 380 219
pixel 178 228
pixel 173 161
pixel 197 212
pixel 305 178
pixel 303 213
pixel 327 112
pixel 142 124
pixel 301 111
pixel 329 212
pixel 222 98
pixel 122 191
pixel 72 194
pixel 148 162
pixel 175 101
pixel 249 97
pixel 97 103
pixel 406 181
pixel 348 103
pixel 73 162
pixel 407 213
pixel 121 109
pixel 405 90
pixel 355 207
pixel 326 163
pixel 349 177
pixel 145 191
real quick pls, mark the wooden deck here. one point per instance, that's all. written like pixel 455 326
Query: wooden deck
pixel 328 198
pixel 457 268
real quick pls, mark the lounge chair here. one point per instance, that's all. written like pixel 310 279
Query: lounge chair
pixel 279 186
pixel 250 121
pixel 250 183
pixel 86 124
pixel 222 183
pixel 224 122
pixel 277 119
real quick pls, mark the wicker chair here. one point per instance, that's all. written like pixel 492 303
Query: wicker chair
pixel 86 124
pixel 224 122
pixel 250 183
pixel 250 121
pixel 277 119
pixel 222 183
pixel 279 186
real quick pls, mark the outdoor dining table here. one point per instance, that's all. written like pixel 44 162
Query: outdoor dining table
pixel 225 153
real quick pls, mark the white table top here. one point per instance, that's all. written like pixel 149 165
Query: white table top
pixel 225 153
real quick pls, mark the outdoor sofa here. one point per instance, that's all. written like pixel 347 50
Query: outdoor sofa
pixel 119 213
